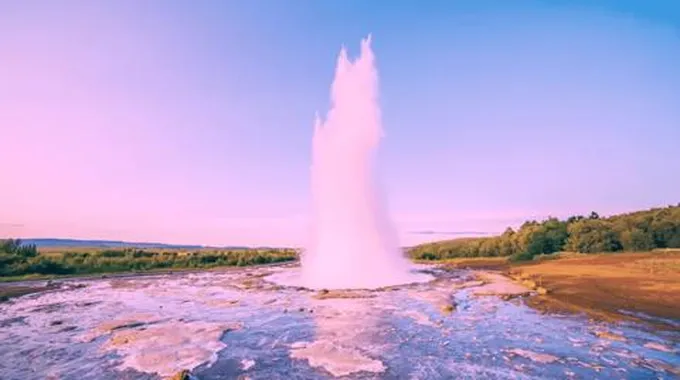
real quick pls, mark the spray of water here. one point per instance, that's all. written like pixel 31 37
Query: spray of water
pixel 354 243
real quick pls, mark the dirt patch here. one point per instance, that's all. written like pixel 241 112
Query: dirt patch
pixel 607 286
pixel 485 263
pixel 346 294
pixel 495 284
pixel 130 283
pixel 11 291
pixel 220 302
pixel 251 283
pixel 610 336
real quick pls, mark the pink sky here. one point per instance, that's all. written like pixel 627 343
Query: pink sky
pixel 185 123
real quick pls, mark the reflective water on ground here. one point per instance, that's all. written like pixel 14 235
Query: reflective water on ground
pixel 237 324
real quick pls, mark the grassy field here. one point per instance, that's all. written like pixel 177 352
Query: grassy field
pixel 82 262
pixel 18 262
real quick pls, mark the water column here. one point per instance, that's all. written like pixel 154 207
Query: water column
pixel 354 243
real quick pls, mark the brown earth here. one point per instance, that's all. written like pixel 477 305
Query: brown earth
pixel 7 292
pixel 604 285
pixel 600 285
pixel 491 263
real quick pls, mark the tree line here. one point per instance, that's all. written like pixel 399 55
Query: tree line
pixel 635 231
pixel 18 259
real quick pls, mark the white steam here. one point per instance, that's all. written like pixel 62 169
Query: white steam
pixel 354 243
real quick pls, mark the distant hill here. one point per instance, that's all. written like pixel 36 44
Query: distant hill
pixel 52 243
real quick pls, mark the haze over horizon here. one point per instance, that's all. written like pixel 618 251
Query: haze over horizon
pixel 191 123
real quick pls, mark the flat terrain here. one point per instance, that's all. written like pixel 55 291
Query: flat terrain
pixel 607 286
pixel 26 263
pixel 494 263
pixel 238 324
pixel 7 292
pixel 610 285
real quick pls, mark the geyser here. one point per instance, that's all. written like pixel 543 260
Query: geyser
pixel 354 244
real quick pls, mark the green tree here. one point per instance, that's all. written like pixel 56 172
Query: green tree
pixel 637 239
pixel 555 232
pixel 507 244
pixel 593 235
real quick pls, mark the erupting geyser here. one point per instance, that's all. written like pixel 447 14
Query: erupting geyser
pixel 354 243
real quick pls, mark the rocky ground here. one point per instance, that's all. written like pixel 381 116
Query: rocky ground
pixel 238 324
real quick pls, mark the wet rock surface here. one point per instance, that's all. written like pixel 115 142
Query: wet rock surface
pixel 238 324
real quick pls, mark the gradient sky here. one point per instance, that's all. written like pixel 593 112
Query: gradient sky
pixel 191 121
